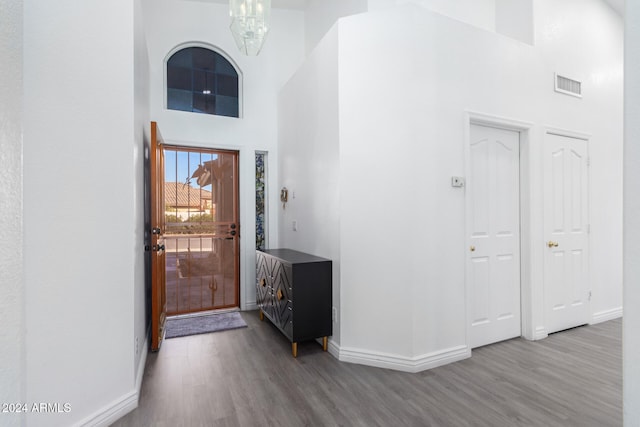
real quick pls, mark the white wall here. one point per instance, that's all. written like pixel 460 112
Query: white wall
pixel 320 15
pixel 11 252
pixel 631 338
pixel 589 47
pixel 401 127
pixel 402 135
pixel 170 23
pixel 79 227
pixel 310 164
pixel 141 130
pixel 514 18
pixel 479 13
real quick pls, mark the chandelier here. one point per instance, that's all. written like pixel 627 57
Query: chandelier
pixel 249 24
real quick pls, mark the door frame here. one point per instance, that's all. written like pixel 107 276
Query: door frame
pixel 528 293
pixel 156 245
pixel 246 210
pixel 236 208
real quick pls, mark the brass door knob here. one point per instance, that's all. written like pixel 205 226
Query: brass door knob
pixel 552 244
pixel 472 248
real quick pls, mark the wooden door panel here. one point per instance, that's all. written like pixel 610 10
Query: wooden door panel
pixel 158 259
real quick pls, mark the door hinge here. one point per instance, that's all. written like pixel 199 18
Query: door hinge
pixel 589 295
pixel 588 228
pixel 588 160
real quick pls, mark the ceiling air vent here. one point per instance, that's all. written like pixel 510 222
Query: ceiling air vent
pixel 568 86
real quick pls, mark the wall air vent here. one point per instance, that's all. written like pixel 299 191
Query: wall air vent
pixel 568 86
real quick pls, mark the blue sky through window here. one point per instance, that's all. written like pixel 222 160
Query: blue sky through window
pixel 180 165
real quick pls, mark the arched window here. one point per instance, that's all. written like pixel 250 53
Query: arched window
pixel 202 81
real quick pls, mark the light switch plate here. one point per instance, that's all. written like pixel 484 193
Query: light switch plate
pixel 457 181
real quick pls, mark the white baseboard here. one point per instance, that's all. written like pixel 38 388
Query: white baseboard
pixel 334 349
pixel 250 306
pixel 112 412
pixel 606 315
pixel 540 333
pixel 120 407
pixel 400 363
pixel 142 363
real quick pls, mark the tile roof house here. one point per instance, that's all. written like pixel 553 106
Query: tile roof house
pixel 184 200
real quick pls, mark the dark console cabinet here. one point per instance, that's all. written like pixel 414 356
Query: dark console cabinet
pixel 293 290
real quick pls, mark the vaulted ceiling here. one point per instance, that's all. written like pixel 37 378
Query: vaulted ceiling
pixel 617 5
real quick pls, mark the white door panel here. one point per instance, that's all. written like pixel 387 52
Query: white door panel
pixel 566 275
pixel 493 264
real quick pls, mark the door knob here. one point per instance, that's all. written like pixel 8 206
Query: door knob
pixel 552 244
pixel 472 248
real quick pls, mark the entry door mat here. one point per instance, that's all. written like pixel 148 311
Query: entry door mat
pixel 186 326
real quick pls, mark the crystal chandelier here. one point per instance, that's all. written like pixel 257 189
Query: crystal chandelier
pixel 249 24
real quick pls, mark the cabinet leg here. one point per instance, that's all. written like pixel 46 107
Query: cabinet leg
pixel 294 349
pixel 261 316
pixel 325 343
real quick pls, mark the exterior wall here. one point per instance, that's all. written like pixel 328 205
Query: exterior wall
pixel 631 338
pixel 170 23
pixel 12 252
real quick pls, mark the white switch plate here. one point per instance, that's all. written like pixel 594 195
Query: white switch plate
pixel 457 181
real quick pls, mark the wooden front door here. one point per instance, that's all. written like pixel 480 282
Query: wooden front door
pixel 202 234
pixel 158 255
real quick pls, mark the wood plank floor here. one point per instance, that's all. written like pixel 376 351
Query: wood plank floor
pixel 246 377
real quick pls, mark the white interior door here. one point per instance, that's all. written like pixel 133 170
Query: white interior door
pixel 493 226
pixel 566 223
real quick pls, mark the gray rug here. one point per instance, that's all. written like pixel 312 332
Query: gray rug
pixel 203 324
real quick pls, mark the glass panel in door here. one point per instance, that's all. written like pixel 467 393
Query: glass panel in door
pixel 202 229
